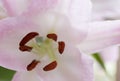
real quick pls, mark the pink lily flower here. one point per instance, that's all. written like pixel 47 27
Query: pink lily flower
pixel 39 40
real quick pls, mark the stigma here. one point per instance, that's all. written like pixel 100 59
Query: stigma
pixel 42 46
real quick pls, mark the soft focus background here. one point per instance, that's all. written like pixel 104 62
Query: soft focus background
pixel 106 67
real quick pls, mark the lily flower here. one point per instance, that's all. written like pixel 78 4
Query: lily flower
pixel 39 40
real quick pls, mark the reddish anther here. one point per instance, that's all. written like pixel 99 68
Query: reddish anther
pixel 27 38
pixel 32 65
pixel 50 66
pixel 61 47
pixel 25 48
pixel 52 36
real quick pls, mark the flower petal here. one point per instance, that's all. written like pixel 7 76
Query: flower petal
pixel 60 24
pixel 39 6
pixel 110 54
pixel 72 65
pixel 101 35
pixel 15 61
pixel 26 76
pixel 11 33
pixel 15 7
pixel 78 13
pixel 18 7
pixel 70 34
pixel 3 13
pixel 77 10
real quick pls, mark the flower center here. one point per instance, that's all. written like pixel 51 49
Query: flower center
pixel 32 42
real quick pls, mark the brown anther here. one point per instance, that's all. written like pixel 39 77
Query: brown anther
pixel 52 36
pixel 27 38
pixel 25 48
pixel 50 66
pixel 32 65
pixel 61 47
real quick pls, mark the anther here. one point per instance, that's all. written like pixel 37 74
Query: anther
pixel 32 65
pixel 61 47
pixel 27 38
pixel 25 48
pixel 52 36
pixel 50 66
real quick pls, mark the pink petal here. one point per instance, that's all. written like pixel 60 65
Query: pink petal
pixel 110 54
pixel 72 65
pixel 71 35
pixel 26 76
pixel 38 6
pixel 60 25
pixel 101 35
pixel 3 13
pixel 77 11
pixel 15 7
pixel 12 30
pixel 15 61
pixel 28 7
pixel 69 19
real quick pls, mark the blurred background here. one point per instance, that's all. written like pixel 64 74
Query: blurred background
pixel 107 62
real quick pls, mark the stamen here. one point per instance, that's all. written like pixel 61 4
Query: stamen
pixel 25 48
pixel 27 38
pixel 50 66
pixel 32 65
pixel 61 47
pixel 52 36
